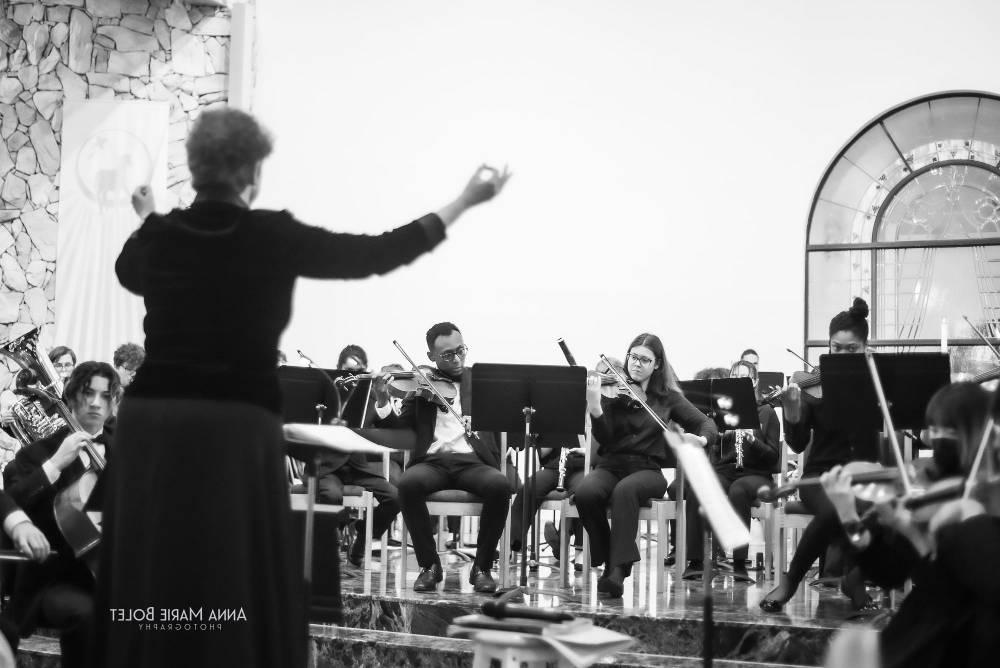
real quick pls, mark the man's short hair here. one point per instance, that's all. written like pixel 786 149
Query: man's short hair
pixel 59 351
pixel 440 329
pixel 82 375
pixel 129 355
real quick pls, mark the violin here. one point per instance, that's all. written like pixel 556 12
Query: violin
pixel 808 382
pixel 407 384
pixel 612 388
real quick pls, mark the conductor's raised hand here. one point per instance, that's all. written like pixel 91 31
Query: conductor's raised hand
pixel 484 185
pixel 143 201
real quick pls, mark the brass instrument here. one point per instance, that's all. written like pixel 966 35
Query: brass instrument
pixel 33 416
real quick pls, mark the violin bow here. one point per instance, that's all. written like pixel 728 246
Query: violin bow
pixel 980 453
pixel 444 402
pixel 884 406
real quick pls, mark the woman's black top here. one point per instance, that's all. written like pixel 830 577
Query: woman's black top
pixel 831 443
pixel 626 428
pixel 217 281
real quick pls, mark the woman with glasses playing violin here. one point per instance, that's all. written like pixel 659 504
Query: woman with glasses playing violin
pixel 633 450
pixel 808 424
pixel 949 549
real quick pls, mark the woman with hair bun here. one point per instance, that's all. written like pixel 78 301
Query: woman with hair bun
pixel 807 421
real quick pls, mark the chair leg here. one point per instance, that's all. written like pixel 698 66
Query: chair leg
pixel 369 527
pixel 680 542
pixel 405 552
pixel 566 562
pixel 662 548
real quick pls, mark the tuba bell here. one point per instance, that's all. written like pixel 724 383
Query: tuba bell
pixel 38 412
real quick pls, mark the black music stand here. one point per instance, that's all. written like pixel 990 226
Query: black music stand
pixel 730 402
pixel 308 393
pixel 768 380
pixel 529 399
pixel 909 380
pixel 740 414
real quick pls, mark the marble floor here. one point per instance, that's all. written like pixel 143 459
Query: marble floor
pixel 814 605
pixel 667 623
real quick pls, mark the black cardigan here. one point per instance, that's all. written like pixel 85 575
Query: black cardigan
pixel 217 282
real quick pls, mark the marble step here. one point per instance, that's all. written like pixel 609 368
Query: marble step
pixel 38 652
pixel 346 647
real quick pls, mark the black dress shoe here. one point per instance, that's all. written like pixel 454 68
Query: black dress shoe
pixel 741 575
pixel 356 553
pixel 428 578
pixel 610 588
pixel 481 580
pixel 551 534
pixel 670 559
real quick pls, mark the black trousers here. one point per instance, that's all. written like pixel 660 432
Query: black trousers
pixel 822 531
pixel 742 491
pixel 454 471
pixel 544 481
pixel 625 486
pixel 65 607
pixel 330 489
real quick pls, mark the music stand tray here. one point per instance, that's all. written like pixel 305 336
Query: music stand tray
pixel 909 381
pixel 724 400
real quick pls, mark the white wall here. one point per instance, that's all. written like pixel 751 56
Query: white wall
pixel 665 156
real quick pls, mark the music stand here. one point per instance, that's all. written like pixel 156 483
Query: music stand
pixel 730 402
pixel 909 380
pixel 529 399
pixel 766 380
pixel 307 393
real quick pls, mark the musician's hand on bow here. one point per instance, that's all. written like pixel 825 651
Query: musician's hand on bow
pixel 30 540
pixel 143 201
pixel 69 450
pixel 839 489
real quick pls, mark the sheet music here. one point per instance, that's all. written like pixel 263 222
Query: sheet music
pixel 727 527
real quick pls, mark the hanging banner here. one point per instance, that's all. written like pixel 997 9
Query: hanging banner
pixel 110 147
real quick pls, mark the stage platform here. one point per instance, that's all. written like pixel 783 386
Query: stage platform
pixel 667 627
pixel 386 623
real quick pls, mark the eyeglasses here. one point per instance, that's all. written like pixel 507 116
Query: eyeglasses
pixel 63 365
pixel 452 355
pixel 642 361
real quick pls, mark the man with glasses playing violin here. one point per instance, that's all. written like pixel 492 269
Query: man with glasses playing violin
pixel 446 457
pixel 59 593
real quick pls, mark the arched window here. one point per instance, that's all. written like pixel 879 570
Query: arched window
pixel 908 216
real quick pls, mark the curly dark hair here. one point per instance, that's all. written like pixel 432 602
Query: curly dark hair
pixel 224 148
pixel 130 355
pixel 80 380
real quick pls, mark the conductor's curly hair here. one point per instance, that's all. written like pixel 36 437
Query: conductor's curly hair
pixel 224 147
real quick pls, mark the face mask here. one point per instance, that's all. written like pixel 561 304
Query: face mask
pixel 946 457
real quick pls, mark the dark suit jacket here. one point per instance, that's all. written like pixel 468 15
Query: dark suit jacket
pixel 420 415
pixel 28 486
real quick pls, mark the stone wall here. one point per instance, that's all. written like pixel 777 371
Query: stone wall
pixel 52 50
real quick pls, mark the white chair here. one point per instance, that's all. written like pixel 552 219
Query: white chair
pixel 786 516
pixel 464 504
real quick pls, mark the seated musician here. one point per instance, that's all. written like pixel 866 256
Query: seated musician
pixel 445 457
pixel 337 470
pixel 59 592
pixel 633 450
pixel 744 461
pixel 950 549
pixel 127 358
pixel 807 421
